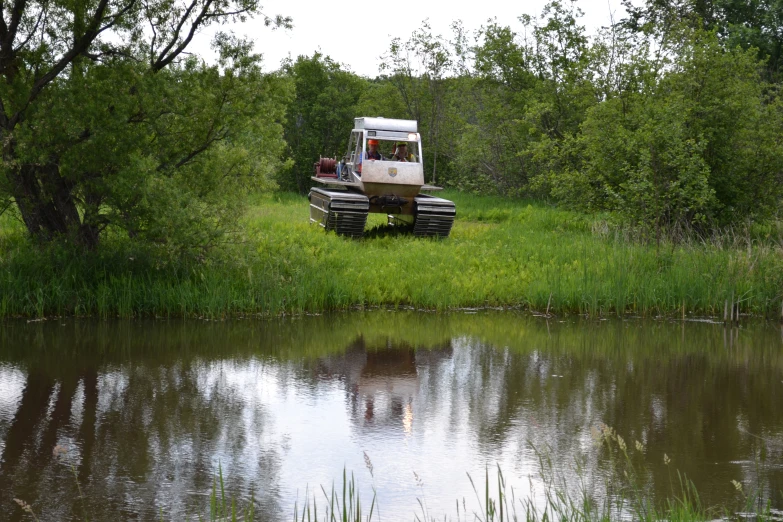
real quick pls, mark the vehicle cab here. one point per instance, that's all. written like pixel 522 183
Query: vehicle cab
pixel 385 175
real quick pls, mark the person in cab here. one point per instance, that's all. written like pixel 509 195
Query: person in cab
pixel 371 153
pixel 372 150
pixel 402 154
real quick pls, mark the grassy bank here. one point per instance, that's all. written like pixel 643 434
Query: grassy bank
pixel 500 253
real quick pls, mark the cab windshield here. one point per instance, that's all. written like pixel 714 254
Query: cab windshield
pixel 391 150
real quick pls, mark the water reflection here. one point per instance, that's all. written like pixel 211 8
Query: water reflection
pixel 138 439
pixel 382 380
pixel 149 410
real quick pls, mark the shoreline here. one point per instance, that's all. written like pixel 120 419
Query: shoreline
pixel 525 312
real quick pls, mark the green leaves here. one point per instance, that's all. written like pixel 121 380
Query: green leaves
pixel 320 117
pixel 111 127
pixel 694 147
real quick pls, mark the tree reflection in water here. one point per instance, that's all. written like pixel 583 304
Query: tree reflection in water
pixel 141 435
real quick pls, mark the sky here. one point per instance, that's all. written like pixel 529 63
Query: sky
pixel 357 33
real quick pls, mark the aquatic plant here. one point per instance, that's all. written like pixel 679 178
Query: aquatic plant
pixel 219 509
pixel 336 508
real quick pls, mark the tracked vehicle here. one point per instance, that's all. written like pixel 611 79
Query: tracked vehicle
pixel 377 174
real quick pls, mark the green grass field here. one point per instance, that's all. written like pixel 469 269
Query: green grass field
pixel 501 253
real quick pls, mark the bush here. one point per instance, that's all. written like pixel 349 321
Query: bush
pixel 697 147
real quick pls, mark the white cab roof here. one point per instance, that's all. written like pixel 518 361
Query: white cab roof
pixel 388 124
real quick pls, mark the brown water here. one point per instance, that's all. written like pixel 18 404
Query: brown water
pixel 148 411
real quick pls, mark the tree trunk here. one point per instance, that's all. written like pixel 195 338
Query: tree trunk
pixel 92 221
pixel 88 236
pixel 47 206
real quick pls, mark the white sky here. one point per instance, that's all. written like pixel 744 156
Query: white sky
pixel 357 33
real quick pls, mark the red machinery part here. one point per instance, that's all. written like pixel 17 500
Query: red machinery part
pixel 326 168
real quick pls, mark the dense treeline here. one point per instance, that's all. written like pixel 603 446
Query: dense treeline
pixel 669 119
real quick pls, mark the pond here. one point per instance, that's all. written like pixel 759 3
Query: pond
pixel 145 414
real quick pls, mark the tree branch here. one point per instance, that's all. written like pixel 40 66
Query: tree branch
pixel 8 204
pixel 3 26
pixel 218 137
pixel 152 27
pixel 3 115
pixel 162 60
pixel 80 46
pixel 9 33
pixel 32 32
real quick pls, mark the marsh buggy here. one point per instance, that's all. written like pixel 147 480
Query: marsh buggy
pixel 381 172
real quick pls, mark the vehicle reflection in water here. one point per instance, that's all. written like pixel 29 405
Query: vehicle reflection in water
pixel 149 411
pixel 382 380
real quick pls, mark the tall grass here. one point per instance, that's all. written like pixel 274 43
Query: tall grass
pixel 502 253
pixel 221 510
pixel 336 507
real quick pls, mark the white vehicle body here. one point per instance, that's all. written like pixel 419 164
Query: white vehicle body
pixel 385 176
pixel 389 184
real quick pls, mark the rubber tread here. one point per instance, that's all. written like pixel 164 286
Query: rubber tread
pixel 433 217
pixel 339 210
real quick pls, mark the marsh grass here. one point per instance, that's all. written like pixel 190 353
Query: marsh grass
pixel 336 507
pixel 223 510
pixel 502 253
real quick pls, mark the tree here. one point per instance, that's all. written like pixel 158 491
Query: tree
pixel 105 123
pixel 531 93
pixel 381 98
pixel 320 117
pixel 749 24
pixel 492 104
pixel 697 146
pixel 418 68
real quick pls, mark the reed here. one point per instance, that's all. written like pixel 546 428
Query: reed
pixel 502 253
pixel 220 509
pixel 338 506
